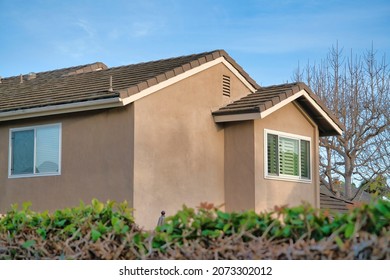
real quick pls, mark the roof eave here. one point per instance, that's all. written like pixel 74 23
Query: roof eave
pixel 144 89
pixel 335 127
pixel 61 109
pixel 222 118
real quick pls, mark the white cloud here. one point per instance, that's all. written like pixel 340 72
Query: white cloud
pixel 141 29
pixel 86 27
pixel 82 40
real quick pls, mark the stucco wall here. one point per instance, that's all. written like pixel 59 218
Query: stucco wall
pixel 179 154
pixel 271 192
pixel 97 151
pixel 239 166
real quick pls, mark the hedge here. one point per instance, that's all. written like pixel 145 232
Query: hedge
pixel 108 231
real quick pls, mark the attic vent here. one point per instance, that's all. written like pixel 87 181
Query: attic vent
pixel 226 85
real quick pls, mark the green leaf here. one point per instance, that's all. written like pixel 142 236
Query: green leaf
pixel 28 244
pixel 42 232
pixel 69 229
pixel 97 206
pixel 349 230
pixel 210 233
pixel 223 215
pixel 287 231
pixel 383 209
pixel 325 229
pixel 125 229
pixel 95 234
pixel 60 223
pixel 226 227
pixel 183 217
pixel 102 228
pixel 339 242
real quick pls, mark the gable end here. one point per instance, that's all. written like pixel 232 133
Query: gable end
pixel 267 100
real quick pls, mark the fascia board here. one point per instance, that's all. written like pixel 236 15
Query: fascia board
pixel 61 109
pixel 262 115
pixel 185 75
pixel 236 117
pixel 323 113
pixel 311 101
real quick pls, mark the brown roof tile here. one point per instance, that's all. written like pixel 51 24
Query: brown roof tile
pixel 91 81
pixel 267 97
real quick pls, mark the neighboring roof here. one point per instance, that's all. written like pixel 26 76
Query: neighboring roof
pixel 90 84
pixel 335 204
pixel 360 195
pixel 268 99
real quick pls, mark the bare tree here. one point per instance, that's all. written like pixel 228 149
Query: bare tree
pixel 356 88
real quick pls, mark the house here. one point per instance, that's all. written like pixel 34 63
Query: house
pixel 159 134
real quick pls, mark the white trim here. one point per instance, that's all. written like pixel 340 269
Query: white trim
pixel 282 103
pixel 312 102
pixel 61 109
pixel 323 113
pixel 262 115
pixel 185 75
pixel 287 177
pixel 34 174
pixel 286 134
pixel 116 101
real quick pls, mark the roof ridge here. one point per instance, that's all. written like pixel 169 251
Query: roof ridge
pixel 160 60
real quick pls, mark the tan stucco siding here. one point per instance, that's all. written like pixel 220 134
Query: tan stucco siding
pixel 179 150
pixel 271 192
pixel 97 154
pixel 239 166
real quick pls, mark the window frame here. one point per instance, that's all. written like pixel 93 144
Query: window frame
pixel 285 177
pixel 34 174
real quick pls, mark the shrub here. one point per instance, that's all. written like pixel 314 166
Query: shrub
pixel 107 231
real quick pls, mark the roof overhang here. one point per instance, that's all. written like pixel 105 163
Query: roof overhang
pixel 186 74
pixel 61 109
pixel 124 97
pixel 303 98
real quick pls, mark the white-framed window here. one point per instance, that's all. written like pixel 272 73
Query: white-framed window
pixel 35 151
pixel 287 156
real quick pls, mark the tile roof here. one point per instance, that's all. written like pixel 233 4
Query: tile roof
pixel 92 81
pixel 334 204
pixel 267 97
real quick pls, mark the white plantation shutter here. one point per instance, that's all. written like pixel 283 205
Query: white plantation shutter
pixel 288 156
pixel 47 149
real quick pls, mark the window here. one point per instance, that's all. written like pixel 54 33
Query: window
pixel 35 151
pixel 287 156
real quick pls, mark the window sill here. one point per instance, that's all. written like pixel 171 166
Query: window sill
pixel 33 175
pixel 288 179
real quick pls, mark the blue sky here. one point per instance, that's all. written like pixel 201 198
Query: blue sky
pixel 267 38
